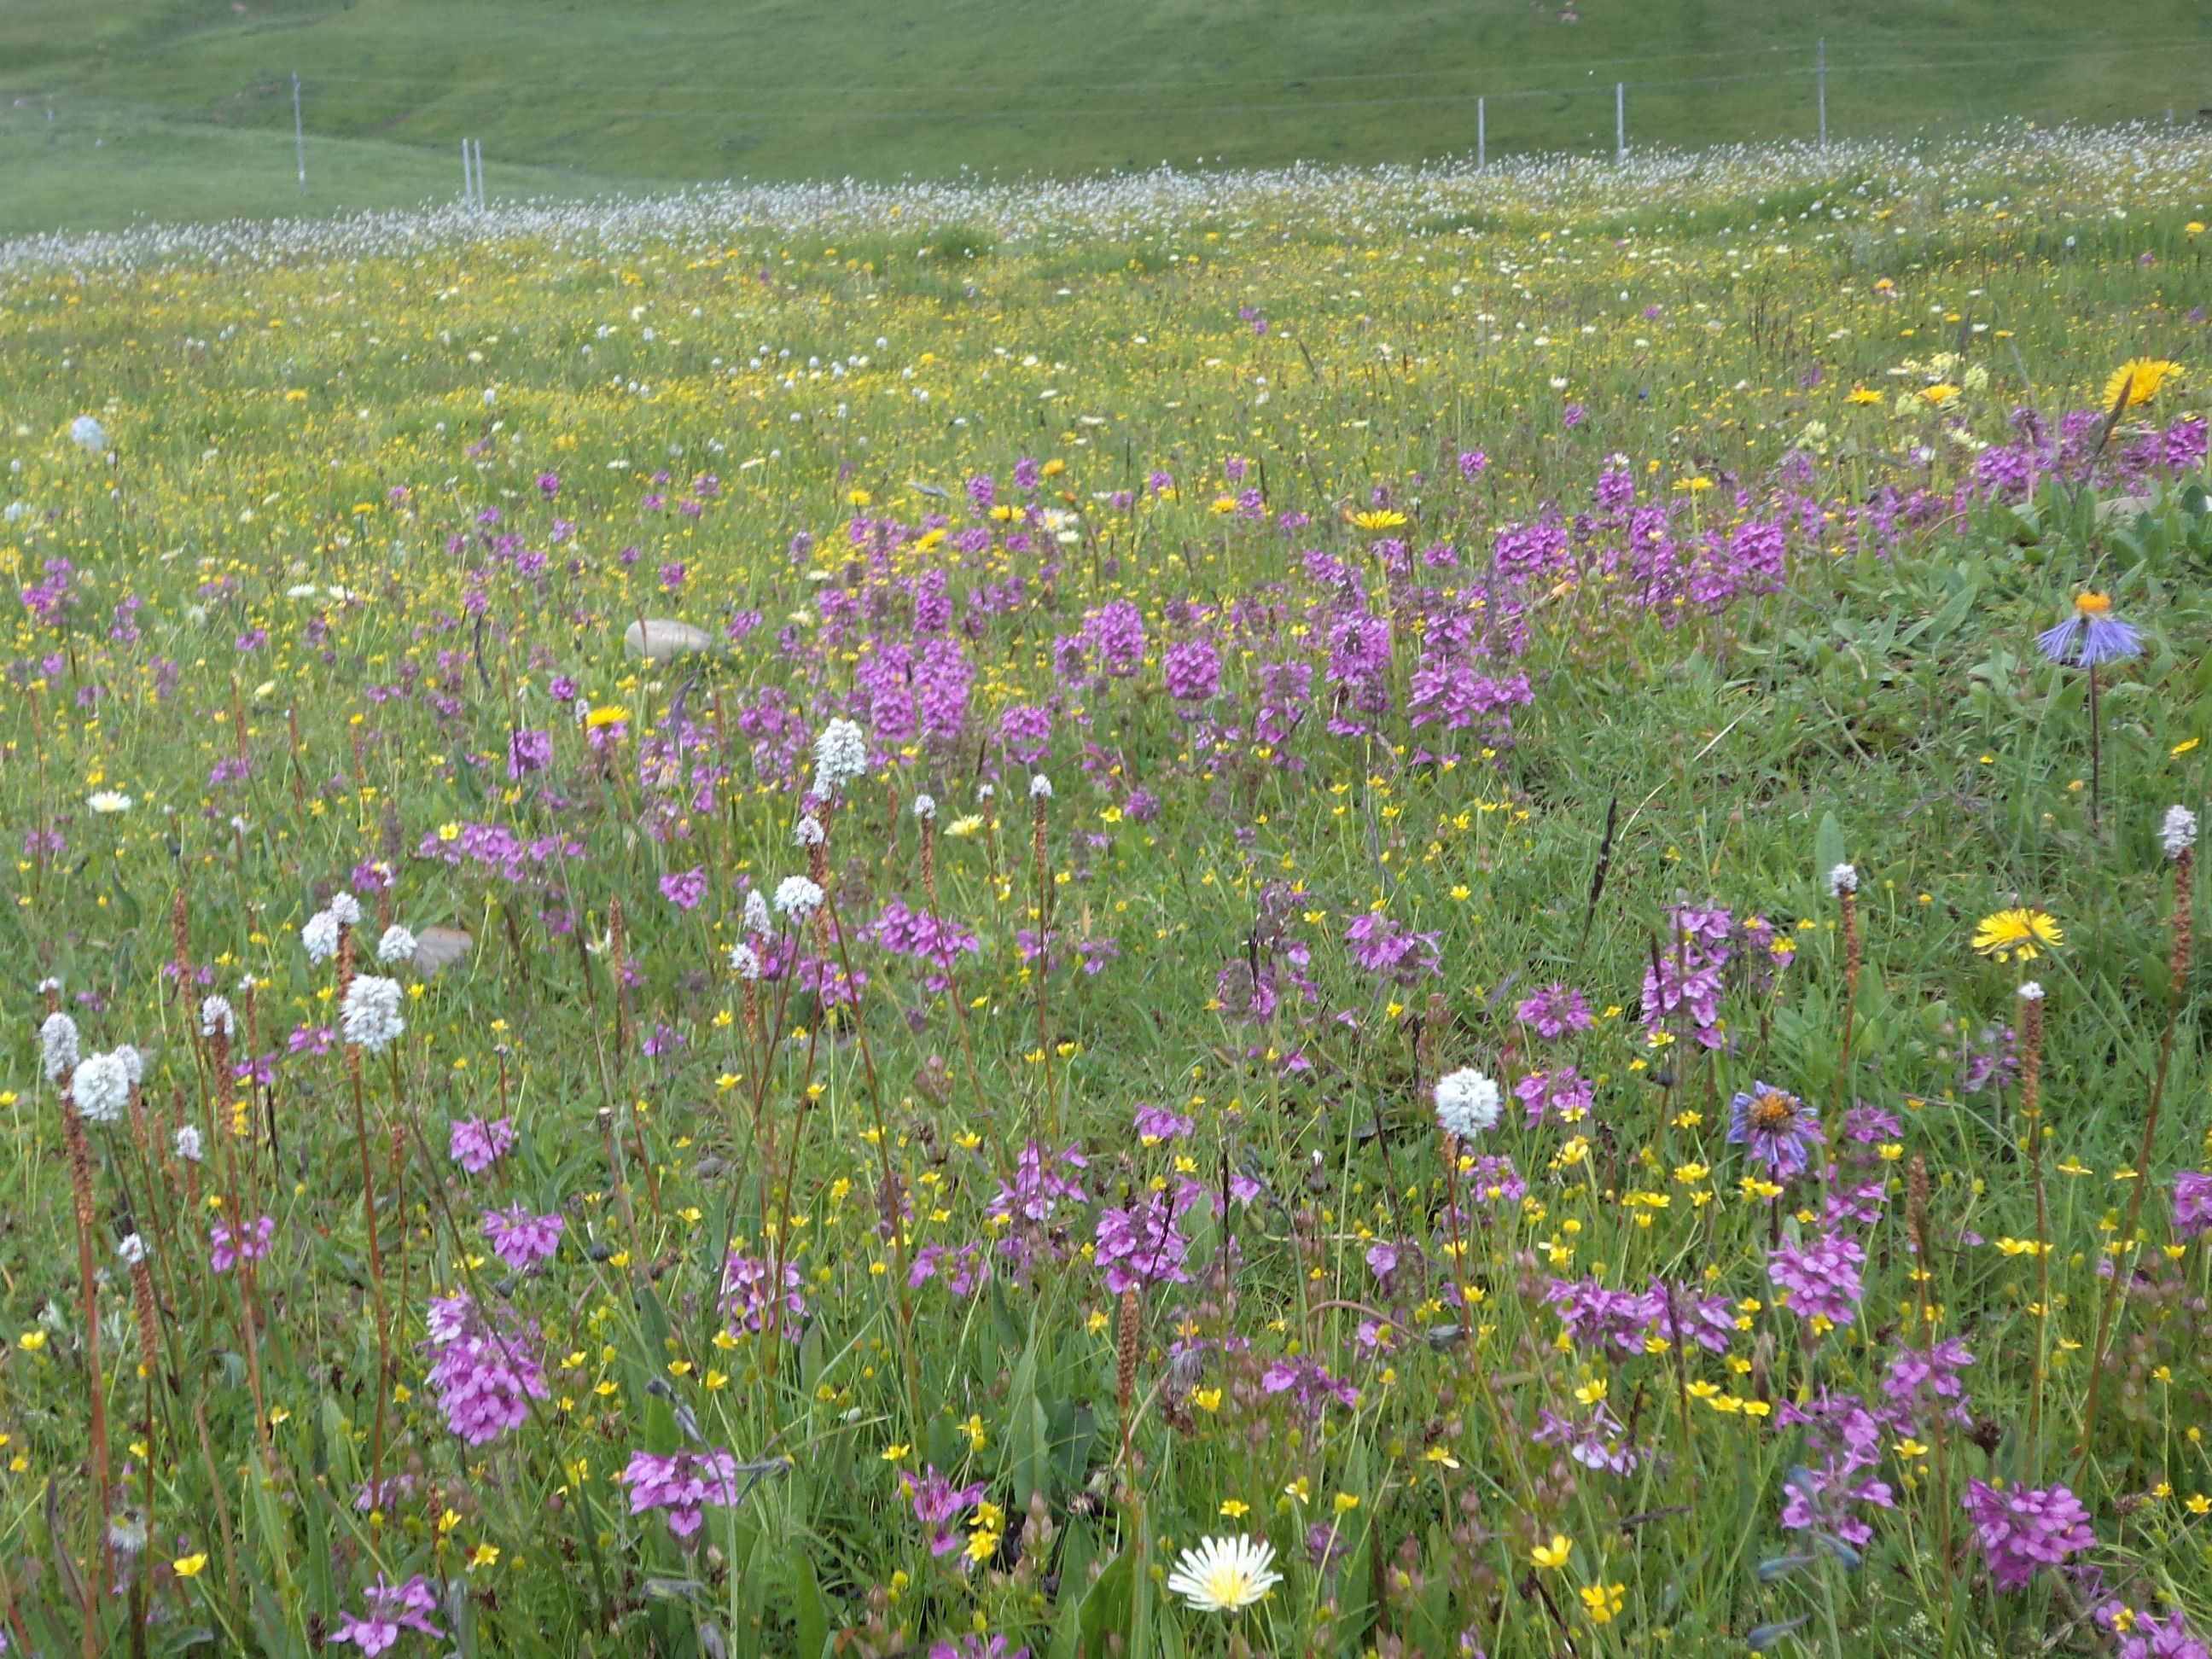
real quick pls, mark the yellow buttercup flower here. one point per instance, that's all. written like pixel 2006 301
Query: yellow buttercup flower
pixel 1554 1554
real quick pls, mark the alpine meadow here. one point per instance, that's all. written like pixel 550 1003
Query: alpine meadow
pixel 1303 912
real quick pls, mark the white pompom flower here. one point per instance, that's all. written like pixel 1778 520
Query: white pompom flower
pixel 1466 1102
pixel 370 1016
pixel 798 898
pixel 2177 834
pixel 102 1087
pixel 59 1046
pixel 841 755
pixel 320 936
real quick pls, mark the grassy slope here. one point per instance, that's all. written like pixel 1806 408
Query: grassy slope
pixel 678 91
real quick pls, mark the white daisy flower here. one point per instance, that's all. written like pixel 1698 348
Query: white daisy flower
pixel 1224 1575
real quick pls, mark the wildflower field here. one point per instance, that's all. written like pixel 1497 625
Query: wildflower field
pixel 1295 914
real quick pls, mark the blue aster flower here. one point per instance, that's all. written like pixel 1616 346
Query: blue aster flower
pixel 2092 635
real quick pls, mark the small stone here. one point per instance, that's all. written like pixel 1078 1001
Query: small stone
pixel 661 639
pixel 437 948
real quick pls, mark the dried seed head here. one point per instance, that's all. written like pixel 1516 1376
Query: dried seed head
pixel 1125 1358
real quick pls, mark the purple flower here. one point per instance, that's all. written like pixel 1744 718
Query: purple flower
pixel 227 1247
pixel 963 1268
pixel 520 1238
pixel 746 1296
pixel 1141 1246
pixel 1565 1093
pixel 2156 1637
pixel 1117 632
pixel 1155 1124
pixel 485 1374
pixel 1599 1441
pixel 1776 1128
pixel 1040 1185
pixel 1309 1385
pixel 936 1503
pixel 1380 947
pixel 2024 1528
pixel 388 1609
pixel 1026 730
pixel 1193 670
pixel 527 751
pixel 1920 1377
pixel 2192 1204
pixel 683 1484
pixel 1821 1277
pixel 2102 636
pixel 685 888
pixel 977 1647
pixel 1555 1011
pixel 476 1144
pixel 929 939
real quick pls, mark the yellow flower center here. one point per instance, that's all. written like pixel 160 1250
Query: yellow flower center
pixel 2093 605
pixel 1772 1111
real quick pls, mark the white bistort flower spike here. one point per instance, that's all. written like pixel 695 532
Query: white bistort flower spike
pixel 925 806
pixel 807 832
pixel 1466 1102
pixel 397 945
pixel 1040 786
pixel 102 1087
pixel 87 434
pixel 320 936
pixel 2029 991
pixel 841 755
pixel 57 1046
pixel 216 1016
pixel 745 961
pixel 758 919
pixel 370 1015
pixel 346 908
pixel 2177 834
pixel 798 898
pixel 1844 878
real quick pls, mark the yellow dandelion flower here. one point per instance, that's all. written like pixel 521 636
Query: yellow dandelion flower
pixel 1380 517
pixel 2017 935
pixel 2138 381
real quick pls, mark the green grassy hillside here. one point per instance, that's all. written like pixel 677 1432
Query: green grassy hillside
pixel 183 107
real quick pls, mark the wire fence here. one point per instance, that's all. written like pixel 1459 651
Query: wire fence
pixel 1835 88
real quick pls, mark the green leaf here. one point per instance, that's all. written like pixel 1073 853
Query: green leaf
pixel 812 1612
pixel 1828 849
